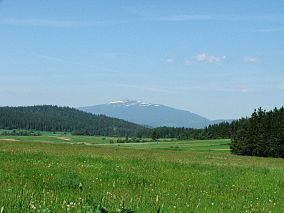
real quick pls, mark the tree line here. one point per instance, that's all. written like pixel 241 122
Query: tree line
pixel 260 135
pixel 15 132
pixel 64 119
pixel 214 131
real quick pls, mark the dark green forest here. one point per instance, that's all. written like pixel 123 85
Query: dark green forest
pixel 64 119
pixel 216 131
pixel 260 135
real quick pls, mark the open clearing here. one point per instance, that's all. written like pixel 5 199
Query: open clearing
pixel 9 139
pixel 48 174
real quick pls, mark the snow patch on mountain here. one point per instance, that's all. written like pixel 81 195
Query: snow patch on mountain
pixel 128 103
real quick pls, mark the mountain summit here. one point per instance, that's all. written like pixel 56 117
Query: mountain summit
pixel 128 103
pixel 149 114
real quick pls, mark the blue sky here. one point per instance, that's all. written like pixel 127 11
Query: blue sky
pixel 220 59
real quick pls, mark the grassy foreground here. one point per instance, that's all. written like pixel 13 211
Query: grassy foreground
pixel 186 176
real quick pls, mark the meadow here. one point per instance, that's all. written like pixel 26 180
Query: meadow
pixel 65 173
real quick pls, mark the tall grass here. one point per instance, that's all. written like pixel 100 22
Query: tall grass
pixel 42 177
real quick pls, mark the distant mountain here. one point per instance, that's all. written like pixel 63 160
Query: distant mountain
pixel 65 119
pixel 153 115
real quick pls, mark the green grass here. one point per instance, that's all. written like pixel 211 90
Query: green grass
pixel 183 176
pixel 194 145
pixel 59 138
pixel 47 137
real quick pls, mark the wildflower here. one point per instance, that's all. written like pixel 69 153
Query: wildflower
pixel 80 186
pixel 32 206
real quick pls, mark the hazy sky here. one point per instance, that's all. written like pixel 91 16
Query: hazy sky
pixel 220 59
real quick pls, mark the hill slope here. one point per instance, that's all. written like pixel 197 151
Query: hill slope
pixel 149 114
pixel 54 118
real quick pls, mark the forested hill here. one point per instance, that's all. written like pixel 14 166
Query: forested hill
pixel 66 119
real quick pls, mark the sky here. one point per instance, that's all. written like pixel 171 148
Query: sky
pixel 220 59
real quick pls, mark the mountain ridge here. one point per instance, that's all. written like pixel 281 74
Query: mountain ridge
pixel 150 114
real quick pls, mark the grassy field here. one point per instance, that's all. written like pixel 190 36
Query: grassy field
pixel 64 173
